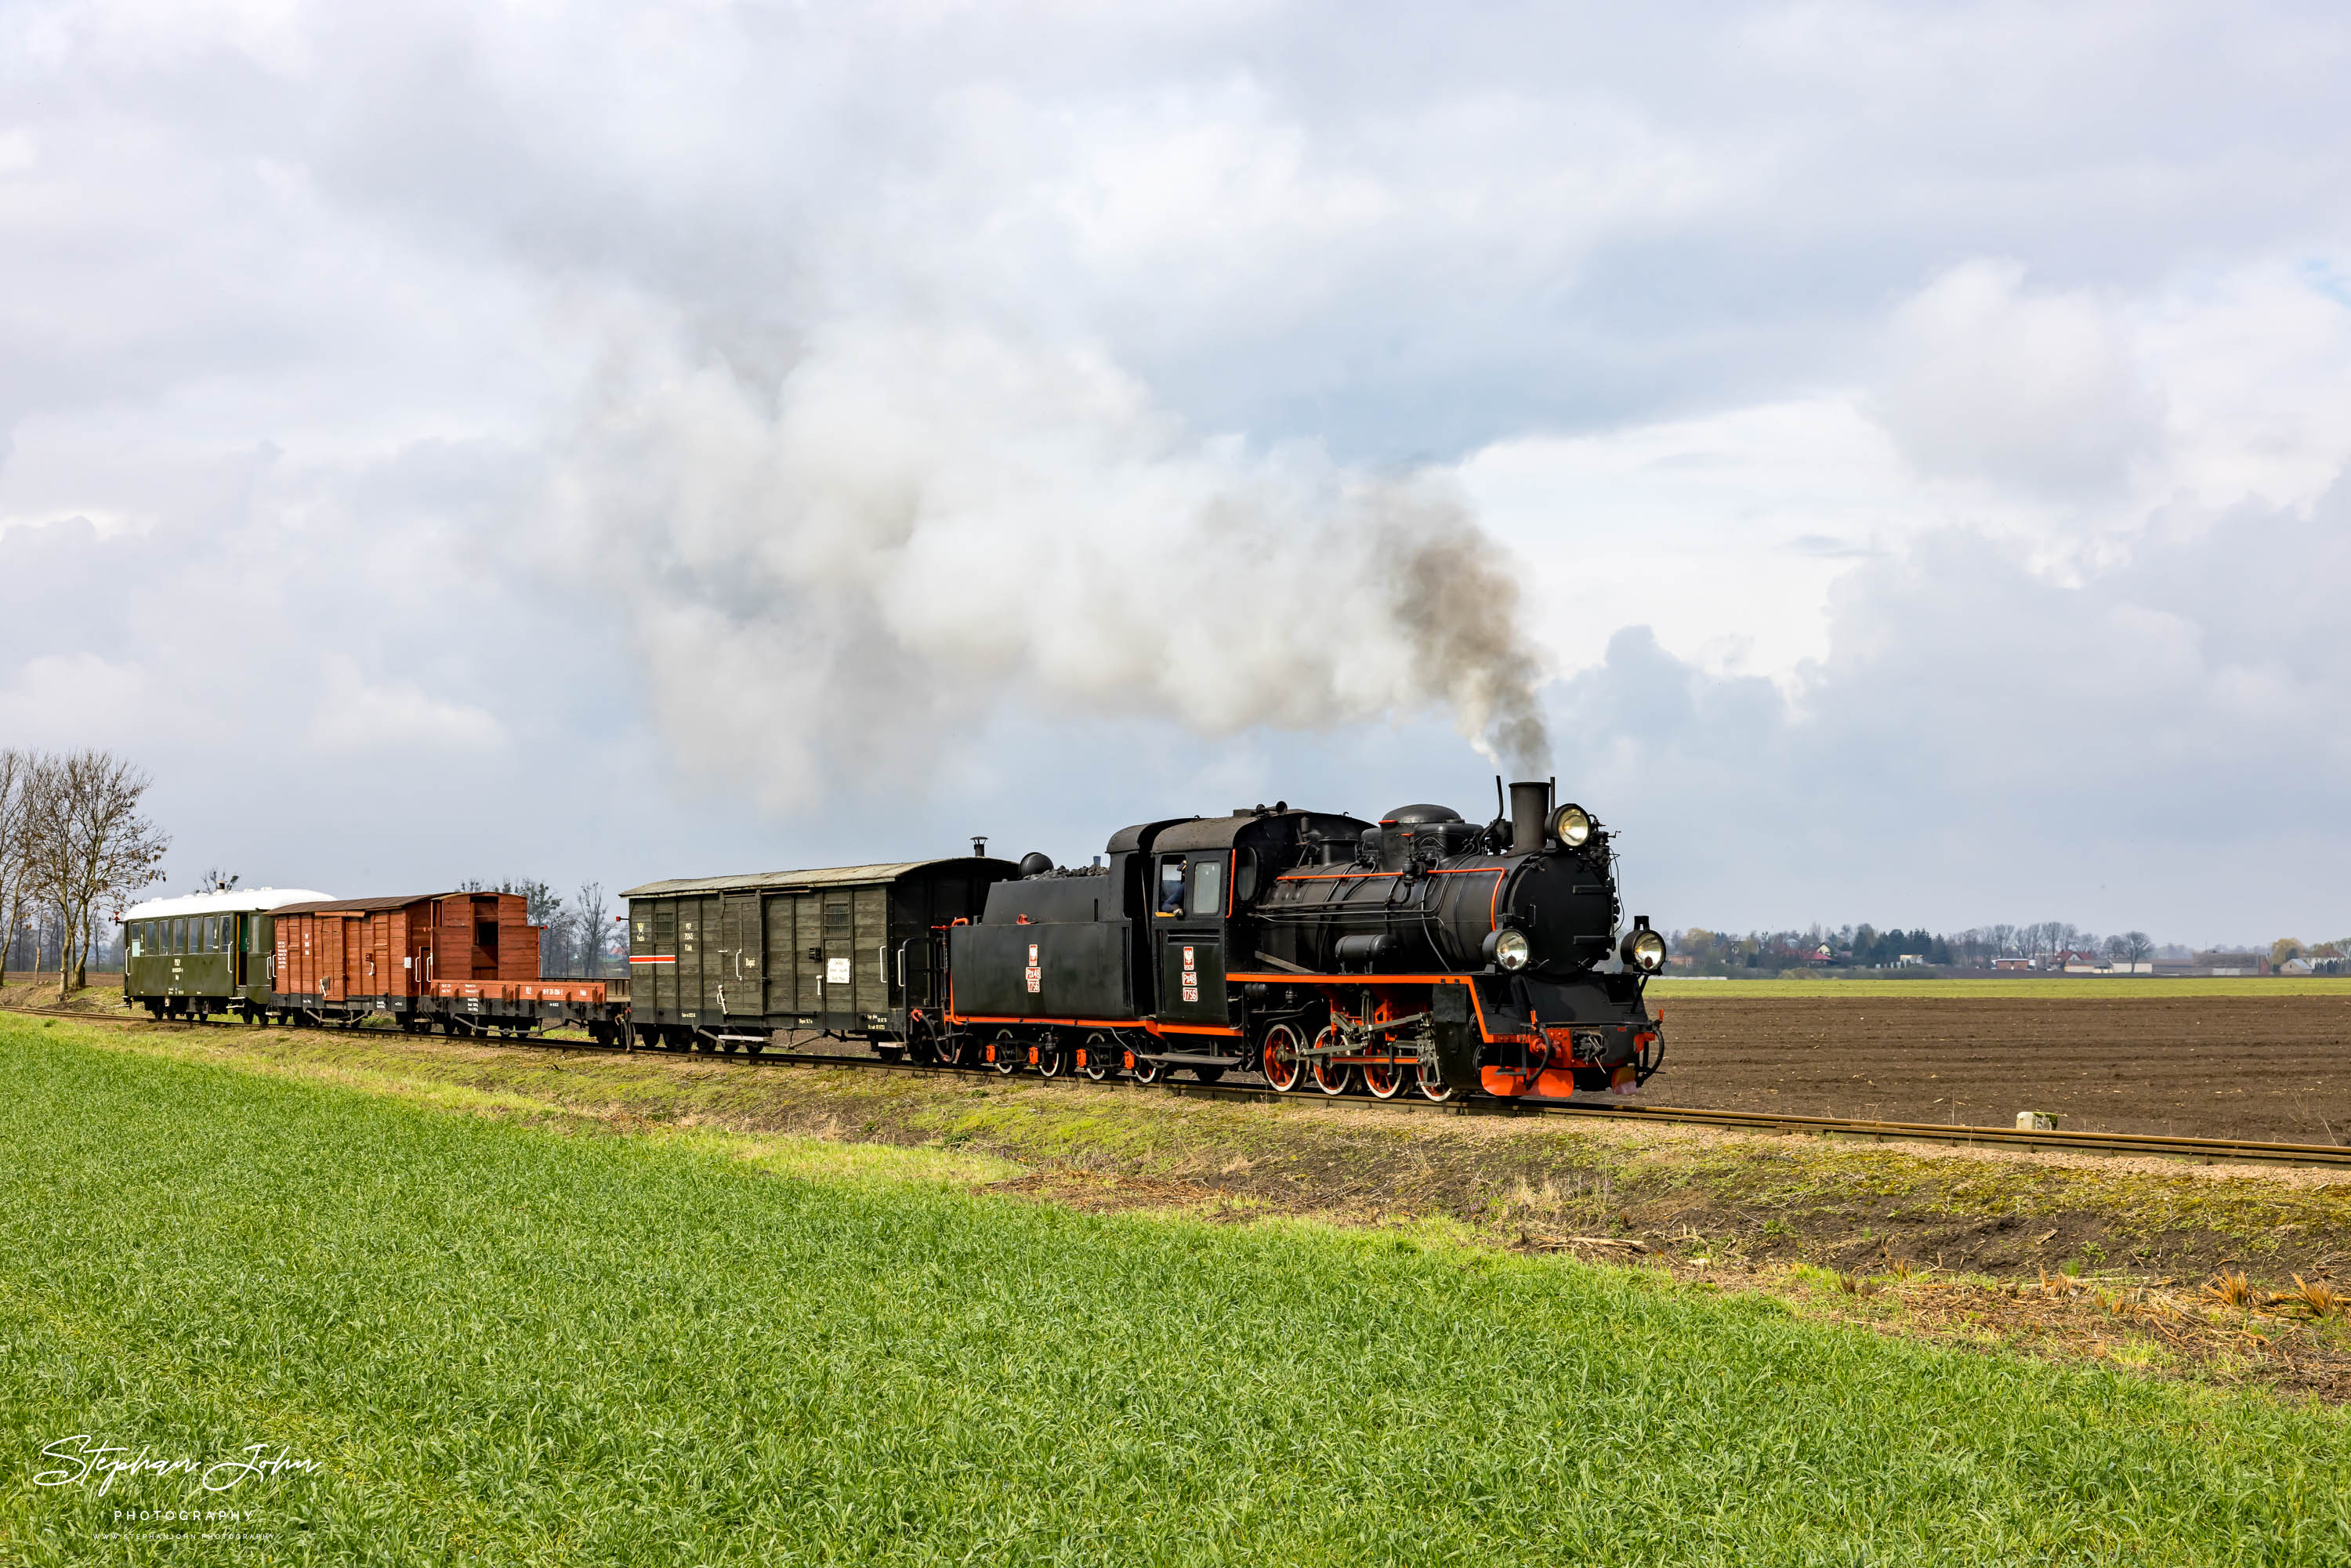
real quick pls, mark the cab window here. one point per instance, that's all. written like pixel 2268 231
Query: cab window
pixel 1208 886
pixel 1171 885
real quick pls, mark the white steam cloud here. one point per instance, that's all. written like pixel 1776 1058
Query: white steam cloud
pixel 826 567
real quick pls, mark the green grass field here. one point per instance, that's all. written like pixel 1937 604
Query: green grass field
pixel 503 1343
pixel 2029 988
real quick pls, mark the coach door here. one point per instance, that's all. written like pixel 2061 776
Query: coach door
pixel 1191 942
pixel 742 991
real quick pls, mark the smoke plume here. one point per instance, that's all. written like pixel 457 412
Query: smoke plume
pixel 834 565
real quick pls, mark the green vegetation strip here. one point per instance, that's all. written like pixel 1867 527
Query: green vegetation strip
pixel 504 1342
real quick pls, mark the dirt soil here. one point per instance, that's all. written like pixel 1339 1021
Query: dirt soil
pixel 2275 1068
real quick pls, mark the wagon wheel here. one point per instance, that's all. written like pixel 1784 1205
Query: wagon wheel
pixel 1385 1079
pixel 1008 1053
pixel 1432 1083
pixel 1331 1076
pixel 1052 1059
pixel 1101 1057
pixel 1148 1071
pixel 1281 1059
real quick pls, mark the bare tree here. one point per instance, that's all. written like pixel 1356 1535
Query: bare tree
pixel 587 909
pixel 90 846
pixel 15 779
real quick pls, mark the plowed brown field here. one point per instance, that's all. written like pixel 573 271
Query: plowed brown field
pixel 2224 1067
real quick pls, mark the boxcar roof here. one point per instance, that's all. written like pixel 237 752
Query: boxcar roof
pixel 838 875
pixel 236 901
pixel 371 906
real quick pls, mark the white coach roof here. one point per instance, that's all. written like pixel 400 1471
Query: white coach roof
pixel 237 901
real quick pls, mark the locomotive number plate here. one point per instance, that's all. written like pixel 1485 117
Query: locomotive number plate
pixel 1036 979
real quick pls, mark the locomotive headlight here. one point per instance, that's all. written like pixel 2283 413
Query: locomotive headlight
pixel 1511 949
pixel 1571 826
pixel 1644 950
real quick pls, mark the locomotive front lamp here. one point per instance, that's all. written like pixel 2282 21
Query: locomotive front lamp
pixel 1644 950
pixel 1571 826
pixel 1510 950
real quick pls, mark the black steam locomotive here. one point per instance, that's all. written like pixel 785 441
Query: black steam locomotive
pixel 1421 952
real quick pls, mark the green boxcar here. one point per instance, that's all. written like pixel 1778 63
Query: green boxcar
pixel 205 954
pixel 858 952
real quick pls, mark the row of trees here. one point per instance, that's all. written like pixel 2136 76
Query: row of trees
pixel 74 845
pixel 1866 947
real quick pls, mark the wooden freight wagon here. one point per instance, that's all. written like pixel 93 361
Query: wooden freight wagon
pixel 467 961
pixel 729 962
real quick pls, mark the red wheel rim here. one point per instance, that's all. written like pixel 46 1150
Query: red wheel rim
pixel 1331 1077
pixel 1280 1057
pixel 1432 1086
pixel 1383 1079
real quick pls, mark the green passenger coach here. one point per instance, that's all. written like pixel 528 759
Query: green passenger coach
pixel 205 954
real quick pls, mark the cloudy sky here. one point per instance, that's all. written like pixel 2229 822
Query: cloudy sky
pixel 1893 456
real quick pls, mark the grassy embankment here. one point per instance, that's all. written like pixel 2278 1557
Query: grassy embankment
pixel 510 1342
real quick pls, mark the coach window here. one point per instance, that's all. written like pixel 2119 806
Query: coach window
pixel 179 935
pixel 1171 884
pixel 1209 887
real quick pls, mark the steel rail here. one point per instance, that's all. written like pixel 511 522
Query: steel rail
pixel 2206 1150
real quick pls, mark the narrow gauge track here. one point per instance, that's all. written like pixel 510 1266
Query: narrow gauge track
pixel 2207 1150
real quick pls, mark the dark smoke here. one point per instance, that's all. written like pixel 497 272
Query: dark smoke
pixel 1455 599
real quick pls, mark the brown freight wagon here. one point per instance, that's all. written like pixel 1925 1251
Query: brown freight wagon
pixel 465 961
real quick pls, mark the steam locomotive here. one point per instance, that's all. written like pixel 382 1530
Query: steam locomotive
pixel 1419 954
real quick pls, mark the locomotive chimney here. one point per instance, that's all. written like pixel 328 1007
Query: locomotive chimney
pixel 1529 804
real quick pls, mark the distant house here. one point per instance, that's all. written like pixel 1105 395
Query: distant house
pixel 2296 966
pixel 1821 955
pixel 2012 963
pixel 1911 961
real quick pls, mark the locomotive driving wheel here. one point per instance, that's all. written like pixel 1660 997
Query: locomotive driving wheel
pixel 1432 1083
pixel 1101 1057
pixel 1331 1075
pixel 1007 1057
pixel 1147 1071
pixel 1283 1059
pixel 1052 1059
pixel 1384 1078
